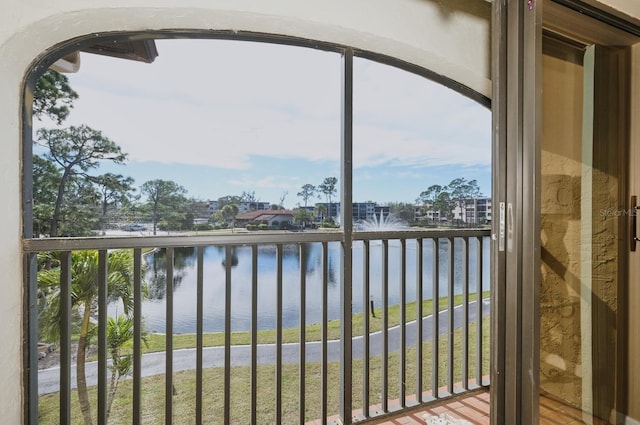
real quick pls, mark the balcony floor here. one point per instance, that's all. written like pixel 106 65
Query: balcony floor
pixel 474 408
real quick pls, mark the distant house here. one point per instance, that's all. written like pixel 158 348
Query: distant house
pixel 475 210
pixel 244 206
pixel 331 210
pixel 363 211
pixel 268 217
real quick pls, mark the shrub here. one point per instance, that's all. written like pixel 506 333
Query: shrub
pixel 329 225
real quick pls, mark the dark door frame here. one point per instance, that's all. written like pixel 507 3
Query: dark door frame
pixel 516 76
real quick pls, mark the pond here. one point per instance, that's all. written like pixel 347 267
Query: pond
pixel 185 287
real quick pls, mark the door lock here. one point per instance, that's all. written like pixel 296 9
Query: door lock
pixel 633 212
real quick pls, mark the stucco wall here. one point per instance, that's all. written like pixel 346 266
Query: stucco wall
pixel 627 9
pixel 561 174
pixel 450 38
pixel 581 225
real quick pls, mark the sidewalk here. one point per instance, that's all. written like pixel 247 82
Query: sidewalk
pixel 185 359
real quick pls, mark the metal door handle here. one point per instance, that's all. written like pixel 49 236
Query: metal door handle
pixel 633 209
pixel 502 226
pixel 510 227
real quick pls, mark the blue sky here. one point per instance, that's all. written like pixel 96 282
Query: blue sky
pixel 223 117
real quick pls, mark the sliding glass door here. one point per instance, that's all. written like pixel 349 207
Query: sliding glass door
pixel 583 221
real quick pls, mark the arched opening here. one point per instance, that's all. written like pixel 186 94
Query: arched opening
pixel 246 124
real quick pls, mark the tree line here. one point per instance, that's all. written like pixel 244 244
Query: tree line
pixel 70 196
pixel 445 199
pixel 442 200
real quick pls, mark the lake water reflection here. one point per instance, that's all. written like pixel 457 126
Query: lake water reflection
pixel 214 282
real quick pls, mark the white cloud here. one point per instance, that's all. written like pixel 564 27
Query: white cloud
pixel 221 103
pixel 220 136
pixel 376 145
pixel 271 182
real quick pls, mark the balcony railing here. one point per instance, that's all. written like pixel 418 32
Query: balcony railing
pixel 394 349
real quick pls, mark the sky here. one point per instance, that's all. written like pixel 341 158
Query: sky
pixel 225 117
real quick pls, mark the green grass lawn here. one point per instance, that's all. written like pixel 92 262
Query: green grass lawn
pixel 156 342
pixel 153 397
pixel 184 382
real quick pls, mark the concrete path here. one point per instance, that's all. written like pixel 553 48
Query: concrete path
pixel 185 359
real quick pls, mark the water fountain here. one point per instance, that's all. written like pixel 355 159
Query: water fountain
pixel 381 223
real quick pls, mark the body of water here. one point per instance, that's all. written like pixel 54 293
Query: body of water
pixel 185 287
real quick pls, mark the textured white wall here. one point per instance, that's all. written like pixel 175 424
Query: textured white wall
pixel 622 8
pixel 450 37
pixel 445 39
pixel 453 42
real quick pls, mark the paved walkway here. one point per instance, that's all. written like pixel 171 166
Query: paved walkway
pixel 185 359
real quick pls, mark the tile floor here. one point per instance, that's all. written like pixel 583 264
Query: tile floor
pixel 474 407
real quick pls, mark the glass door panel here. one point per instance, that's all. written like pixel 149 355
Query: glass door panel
pixel 582 194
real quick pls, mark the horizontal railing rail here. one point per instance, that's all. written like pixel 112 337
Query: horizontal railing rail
pixel 406 350
pixel 122 242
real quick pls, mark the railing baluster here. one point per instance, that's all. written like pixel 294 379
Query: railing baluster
pixel 366 294
pixel 168 391
pixel 31 281
pixel 137 335
pixel 228 262
pixel 65 338
pixel 199 331
pixel 254 334
pixel 102 337
pixel 419 295
pixel 346 220
pixel 279 334
pixel 346 333
pixel 450 307
pixel 403 320
pixel 479 279
pixel 303 336
pixel 466 381
pixel 31 353
pixel 385 325
pixel 435 282
pixel 465 315
pixel 325 285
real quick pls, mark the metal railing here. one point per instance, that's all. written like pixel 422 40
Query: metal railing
pixel 430 353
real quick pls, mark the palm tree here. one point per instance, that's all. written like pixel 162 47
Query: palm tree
pixel 328 188
pixel 307 192
pixel 322 211
pixel 119 333
pixel 229 213
pixel 84 296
